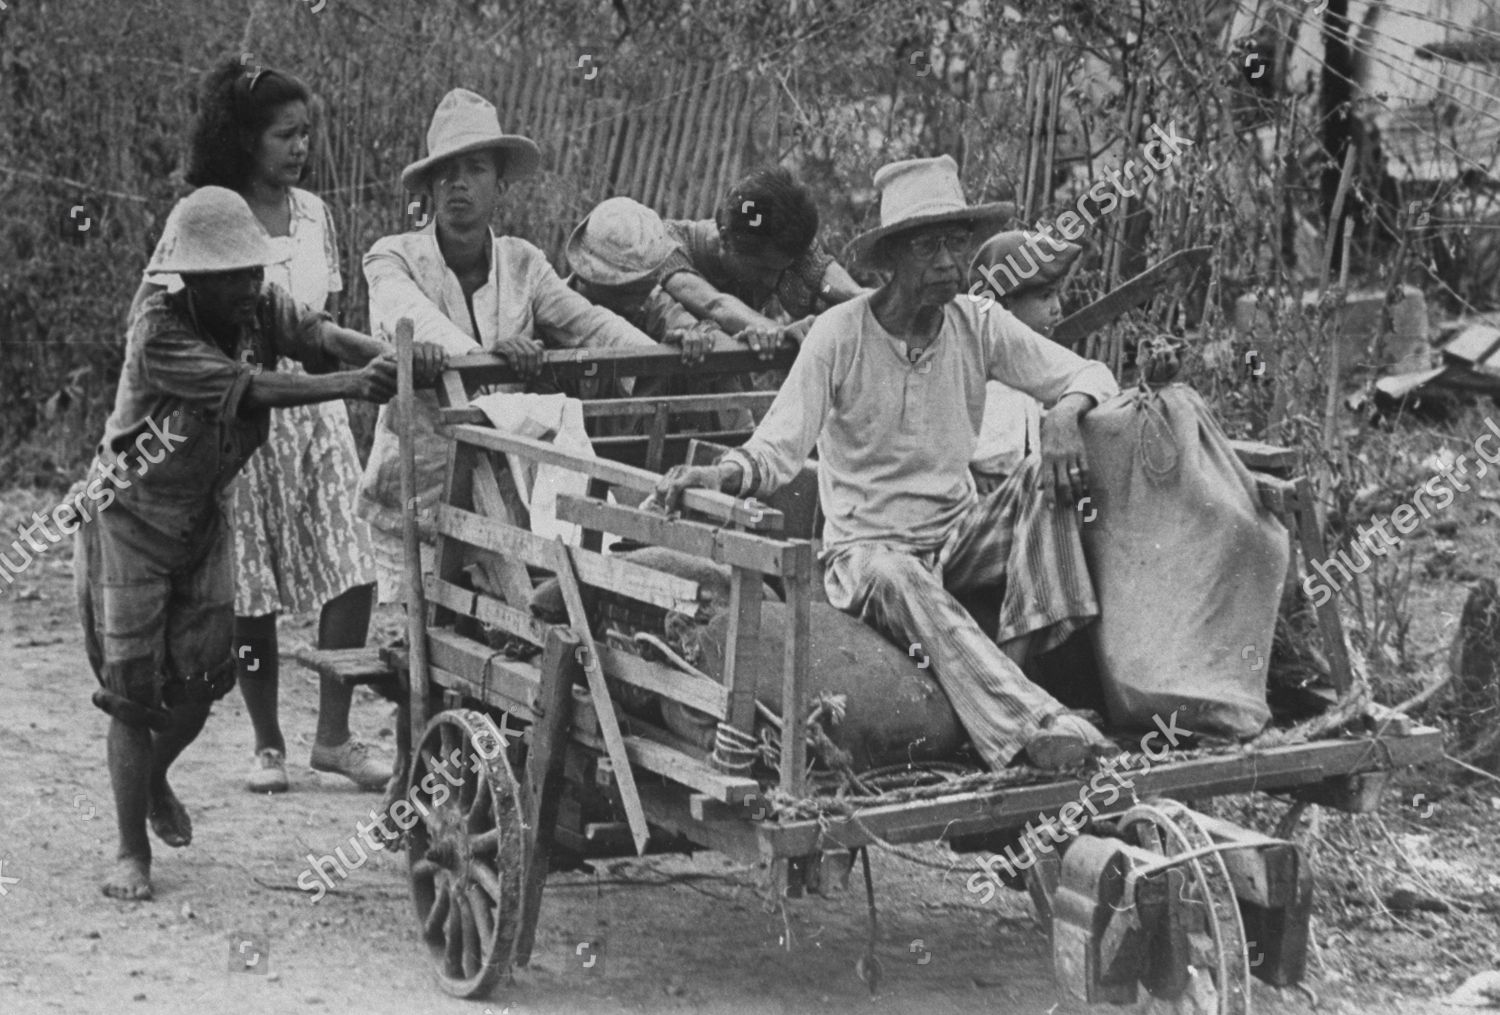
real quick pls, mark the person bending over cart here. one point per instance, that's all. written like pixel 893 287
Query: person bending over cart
pixel 890 387
pixel 614 257
pixel 152 558
pixel 757 257
pixel 466 290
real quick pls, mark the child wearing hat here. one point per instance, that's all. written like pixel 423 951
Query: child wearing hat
pixel 614 256
pixel 153 572
pixel 1026 273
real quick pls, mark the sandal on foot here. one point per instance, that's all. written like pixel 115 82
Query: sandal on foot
pixel 353 759
pixel 268 772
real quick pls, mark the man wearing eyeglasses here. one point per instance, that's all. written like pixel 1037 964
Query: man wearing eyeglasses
pixel 890 387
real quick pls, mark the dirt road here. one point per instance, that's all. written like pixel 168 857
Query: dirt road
pixel 229 931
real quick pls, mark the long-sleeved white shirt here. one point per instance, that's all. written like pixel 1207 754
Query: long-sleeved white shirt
pixel 895 437
pixel 523 296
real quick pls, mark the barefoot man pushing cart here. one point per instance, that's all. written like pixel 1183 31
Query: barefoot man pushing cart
pixel 153 571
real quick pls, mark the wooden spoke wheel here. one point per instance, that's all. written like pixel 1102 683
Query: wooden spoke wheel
pixel 1205 965
pixel 465 854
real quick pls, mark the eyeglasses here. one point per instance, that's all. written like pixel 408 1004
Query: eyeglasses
pixel 927 247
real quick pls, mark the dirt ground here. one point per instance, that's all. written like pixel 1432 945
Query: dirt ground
pixel 678 934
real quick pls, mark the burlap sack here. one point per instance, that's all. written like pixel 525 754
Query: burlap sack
pixel 1186 563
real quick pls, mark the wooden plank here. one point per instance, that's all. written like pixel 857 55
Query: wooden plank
pixel 794 678
pixel 411 539
pixel 1265 457
pixel 657 439
pixel 669 811
pixel 739 648
pixel 604 710
pixel 500 502
pixel 610 364
pixel 1279 496
pixel 613 407
pixel 683 769
pixel 362 665
pixel 445 678
pixel 976 813
pixel 723 546
pixel 543 778
pixel 616 574
pixel 505 683
pixel 710 502
pixel 486 608
pixel 694 692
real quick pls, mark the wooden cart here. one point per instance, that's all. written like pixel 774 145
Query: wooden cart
pixel 514 760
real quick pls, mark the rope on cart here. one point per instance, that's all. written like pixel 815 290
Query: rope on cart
pixel 734 750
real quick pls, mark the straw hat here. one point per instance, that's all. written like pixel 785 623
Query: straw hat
pixel 212 230
pixel 1030 260
pixel 620 242
pixel 922 192
pixel 467 122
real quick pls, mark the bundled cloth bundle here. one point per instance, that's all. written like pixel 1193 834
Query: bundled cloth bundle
pixel 1187 564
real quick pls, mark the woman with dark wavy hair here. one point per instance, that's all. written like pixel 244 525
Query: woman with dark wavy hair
pixel 298 545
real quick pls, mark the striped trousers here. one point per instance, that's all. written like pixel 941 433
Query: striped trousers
pixel 1011 537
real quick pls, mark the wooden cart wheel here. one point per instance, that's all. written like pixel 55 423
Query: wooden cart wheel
pixel 465 854
pixel 1215 934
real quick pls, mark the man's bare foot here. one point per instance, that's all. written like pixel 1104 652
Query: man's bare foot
pixel 169 819
pixel 130 881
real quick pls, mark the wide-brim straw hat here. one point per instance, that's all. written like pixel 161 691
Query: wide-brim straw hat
pixel 1025 260
pixel 212 230
pixel 620 242
pixel 924 192
pixel 467 122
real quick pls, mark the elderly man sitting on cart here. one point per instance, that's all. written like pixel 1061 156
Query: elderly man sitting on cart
pixel 890 387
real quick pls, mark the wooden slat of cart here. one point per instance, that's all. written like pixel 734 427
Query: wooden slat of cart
pixel 611 364
pixel 739 663
pixel 974 813
pixel 630 407
pixel 722 546
pixel 794 682
pixel 604 708
pixel 683 769
pixel 544 773
pixel 416 613
pixel 717 505
pixel 618 575
pixel 498 499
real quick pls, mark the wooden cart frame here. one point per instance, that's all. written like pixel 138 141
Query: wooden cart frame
pixel 535 733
